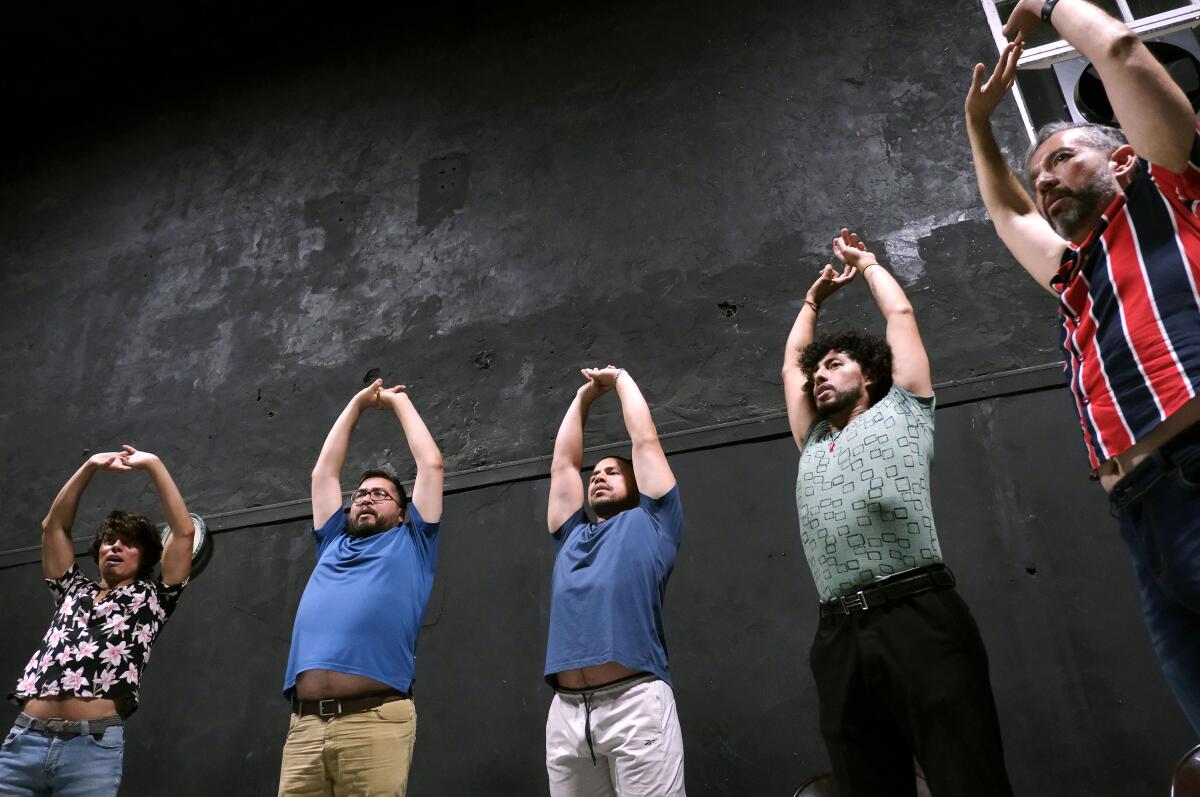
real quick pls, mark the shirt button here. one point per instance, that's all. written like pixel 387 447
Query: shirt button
pixel 1087 400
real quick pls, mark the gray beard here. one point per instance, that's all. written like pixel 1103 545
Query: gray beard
pixel 1090 198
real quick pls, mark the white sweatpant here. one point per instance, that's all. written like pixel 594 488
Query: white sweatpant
pixel 635 736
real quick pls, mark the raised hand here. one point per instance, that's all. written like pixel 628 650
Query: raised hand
pixel 599 381
pixel 984 97
pixel 828 283
pixel 368 396
pixel 386 397
pixel 1026 17
pixel 137 460
pixel 852 252
pixel 109 460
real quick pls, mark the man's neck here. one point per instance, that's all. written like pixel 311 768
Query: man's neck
pixel 840 420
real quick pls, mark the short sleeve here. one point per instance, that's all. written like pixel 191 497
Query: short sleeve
pixel 569 526
pixel 921 407
pixel 1184 185
pixel 666 513
pixel 423 533
pixel 69 583
pixel 333 527
pixel 168 597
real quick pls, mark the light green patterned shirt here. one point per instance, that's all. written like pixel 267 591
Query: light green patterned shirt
pixel 863 495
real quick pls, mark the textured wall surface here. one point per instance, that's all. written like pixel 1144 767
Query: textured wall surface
pixel 212 233
pixel 212 272
pixel 1082 706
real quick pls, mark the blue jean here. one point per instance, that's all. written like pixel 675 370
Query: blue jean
pixel 1158 504
pixel 34 764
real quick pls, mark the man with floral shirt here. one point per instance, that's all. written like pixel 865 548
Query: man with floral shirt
pixel 83 681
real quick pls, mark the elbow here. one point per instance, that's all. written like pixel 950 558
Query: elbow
pixel 898 311
pixel 1123 47
pixel 433 463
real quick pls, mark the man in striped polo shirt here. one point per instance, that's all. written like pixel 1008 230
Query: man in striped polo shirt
pixel 1112 231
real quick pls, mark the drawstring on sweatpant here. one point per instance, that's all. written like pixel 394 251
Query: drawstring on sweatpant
pixel 587 725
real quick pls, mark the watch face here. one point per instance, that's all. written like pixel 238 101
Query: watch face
pixel 197 541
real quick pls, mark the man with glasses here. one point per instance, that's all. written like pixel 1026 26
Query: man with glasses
pixel 350 669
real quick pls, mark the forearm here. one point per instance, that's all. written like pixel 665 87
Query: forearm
pixel 568 443
pixel 333 452
pixel 635 410
pixel 1001 191
pixel 174 509
pixel 61 516
pixel 424 449
pixel 803 331
pixel 886 291
pixel 1152 110
pixel 58 552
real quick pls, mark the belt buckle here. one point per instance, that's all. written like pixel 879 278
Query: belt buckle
pixel 56 726
pixel 337 707
pixel 856 602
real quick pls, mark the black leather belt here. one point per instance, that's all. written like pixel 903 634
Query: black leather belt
pixel 68 729
pixel 889 590
pixel 337 706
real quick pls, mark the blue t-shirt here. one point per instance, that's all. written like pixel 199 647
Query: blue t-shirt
pixel 361 610
pixel 609 582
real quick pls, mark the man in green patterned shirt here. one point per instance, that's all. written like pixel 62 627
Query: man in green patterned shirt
pixel 900 667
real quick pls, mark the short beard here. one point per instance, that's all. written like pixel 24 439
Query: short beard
pixel 1090 198
pixel 841 401
pixel 374 527
pixel 608 507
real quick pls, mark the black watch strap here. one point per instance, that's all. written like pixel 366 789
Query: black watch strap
pixel 1047 10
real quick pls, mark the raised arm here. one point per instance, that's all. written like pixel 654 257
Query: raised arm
pixel 1154 112
pixel 910 364
pixel 176 560
pixel 58 552
pixel 327 473
pixel 801 409
pixel 427 490
pixel 1027 235
pixel 566 486
pixel 654 476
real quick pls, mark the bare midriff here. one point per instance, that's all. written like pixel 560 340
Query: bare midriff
pixel 598 675
pixel 323 684
pixel 1115 469
pixel 69 708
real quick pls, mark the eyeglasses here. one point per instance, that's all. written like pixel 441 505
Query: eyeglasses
pixel 374 496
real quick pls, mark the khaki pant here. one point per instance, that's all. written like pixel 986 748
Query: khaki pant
pixel 365 754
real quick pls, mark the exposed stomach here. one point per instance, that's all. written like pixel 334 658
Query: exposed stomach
pixel 322 684
pixel 70 708
pixel 596 675
pixel 1114 469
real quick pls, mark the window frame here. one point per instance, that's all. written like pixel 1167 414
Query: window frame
pixel 1184 16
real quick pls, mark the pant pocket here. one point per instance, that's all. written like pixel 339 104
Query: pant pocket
pixel 112 739
pixel 14 733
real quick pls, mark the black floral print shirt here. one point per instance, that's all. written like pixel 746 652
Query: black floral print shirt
pixel 98 648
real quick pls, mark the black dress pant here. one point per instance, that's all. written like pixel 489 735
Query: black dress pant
pixel 903 680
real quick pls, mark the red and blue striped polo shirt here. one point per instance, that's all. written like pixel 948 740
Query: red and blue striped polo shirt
pixel 1130 309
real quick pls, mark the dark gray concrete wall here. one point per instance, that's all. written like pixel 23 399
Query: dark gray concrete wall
pixel 210 237
pixel 212 271
pixel 1083 708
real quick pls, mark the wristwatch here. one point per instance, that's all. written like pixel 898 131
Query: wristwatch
pixel 1047 10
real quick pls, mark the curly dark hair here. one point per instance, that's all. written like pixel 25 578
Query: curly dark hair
pixel 132 530
pixel 380 473
pixel 871 352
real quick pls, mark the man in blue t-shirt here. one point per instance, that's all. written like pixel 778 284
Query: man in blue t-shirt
pixel 612 726
pixel 350 669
